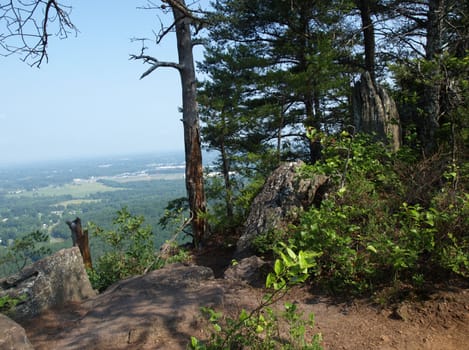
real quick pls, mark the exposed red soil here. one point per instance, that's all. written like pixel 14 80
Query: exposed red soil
pixel 440 321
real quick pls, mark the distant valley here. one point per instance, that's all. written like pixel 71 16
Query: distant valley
pixel 44 196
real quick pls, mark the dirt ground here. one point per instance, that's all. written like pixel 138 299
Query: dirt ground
pixel 439 321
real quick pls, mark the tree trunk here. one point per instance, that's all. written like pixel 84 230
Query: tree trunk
pixel 376 112
pixel 312 121
pixel 190 119
pixel 432 91
pixel 227 181
pixel 368 36
pixel 80 239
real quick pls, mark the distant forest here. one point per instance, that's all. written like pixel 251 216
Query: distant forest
pixel 44 196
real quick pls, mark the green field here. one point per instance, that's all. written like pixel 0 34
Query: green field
pixel 78 201
pixel 75 189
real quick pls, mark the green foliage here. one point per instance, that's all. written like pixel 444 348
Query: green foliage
pixel 291 268
pixel 228 207
pixel 264 327
pixel 260 330
pixel 363 236
pixel 449 73
pixel 175 210
pixel 8 304
pixel 24 251
pixel 131 250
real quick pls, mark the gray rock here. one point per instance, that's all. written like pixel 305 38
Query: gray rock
pixel 156 309
pixel 284 196
pixel 252 270
pixel 12 335
pixel 49 282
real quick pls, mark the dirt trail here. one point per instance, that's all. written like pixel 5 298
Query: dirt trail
pixel 439 323
pixel 147 313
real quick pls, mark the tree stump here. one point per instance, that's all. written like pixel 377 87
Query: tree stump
pixel 376 112
pixel 80 239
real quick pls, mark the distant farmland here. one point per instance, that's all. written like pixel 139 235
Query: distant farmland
pixel 76 189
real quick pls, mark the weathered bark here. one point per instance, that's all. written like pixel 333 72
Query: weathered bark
pixel 80 239
pixel 227 181
pixel 190 119
pixel 432 91
pixel 376 112
pixel 368 35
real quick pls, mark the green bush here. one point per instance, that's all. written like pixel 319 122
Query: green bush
pixel 130 251
pixel 264 327
pixel 364 235
pixel 24 251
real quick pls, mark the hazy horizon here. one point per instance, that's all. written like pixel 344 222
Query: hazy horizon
pixel 90 157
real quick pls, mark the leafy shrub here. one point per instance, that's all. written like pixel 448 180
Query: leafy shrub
pixel 24 251
pixel 131 251
pixel 364 235
pixel 262 328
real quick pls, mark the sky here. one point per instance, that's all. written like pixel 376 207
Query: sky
pixel 88 99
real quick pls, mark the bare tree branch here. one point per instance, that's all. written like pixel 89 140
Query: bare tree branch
pixel 155 64
pixel 25 27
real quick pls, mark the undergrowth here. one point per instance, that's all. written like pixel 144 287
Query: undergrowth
pixel 266 327
pixel 131 251
pixel 372 231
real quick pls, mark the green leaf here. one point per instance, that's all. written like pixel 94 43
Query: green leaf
pixel 194 342
pixel 278 267
pixel 270 280
pixel 291 253
pixel 244 315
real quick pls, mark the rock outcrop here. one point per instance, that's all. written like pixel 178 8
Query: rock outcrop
pixel 156 309
pixel 12 335
pixel 48 283
pixel 284 196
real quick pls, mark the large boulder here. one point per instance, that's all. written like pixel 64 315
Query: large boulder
pixel 12 335
pixel 48 283
pixel 283 198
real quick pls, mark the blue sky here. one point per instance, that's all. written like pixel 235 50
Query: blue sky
pixel 88 99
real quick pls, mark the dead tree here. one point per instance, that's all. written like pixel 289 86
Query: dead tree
pixel 376 112
pixel 80 239
pixel 25 27
pixel 183 20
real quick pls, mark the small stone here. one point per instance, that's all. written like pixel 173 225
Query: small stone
pixel 385 338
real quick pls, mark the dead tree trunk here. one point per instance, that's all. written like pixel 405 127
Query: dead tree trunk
pixel 183 19
pixel 80 239
pixel 190 118
pixel 376 112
